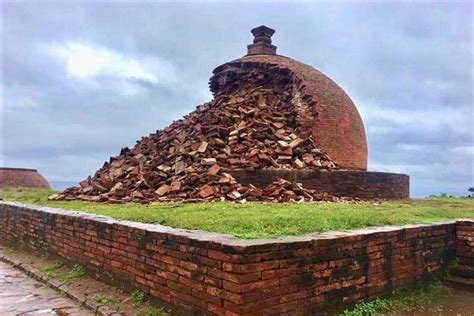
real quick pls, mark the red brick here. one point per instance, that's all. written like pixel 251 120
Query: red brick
pixel 163 295
pixel 251 267
pixel 193 250
pixel 199 286
pixel 281 291
pixel 178 287
pixel 168 275
pixel 291 306
pixel 180 297
pixel 207 261
pixel 225 295
pixel 116 264
pixel 236 278
pixel 212 281
pixel 191 266
pixel 167 259
pixel 220 310
pixel 215 301
pixel 276 255
pixel 219 255
pixel 259 285
pixel 178 270
pixel 251 307
pixel 270 274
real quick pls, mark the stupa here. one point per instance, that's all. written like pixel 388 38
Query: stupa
pixel 22 177
pixel 276 129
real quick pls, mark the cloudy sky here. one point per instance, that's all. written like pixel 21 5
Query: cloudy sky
pixel 80 81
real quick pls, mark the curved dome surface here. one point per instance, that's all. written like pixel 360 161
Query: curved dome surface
pixel 22 177
pixel 336 125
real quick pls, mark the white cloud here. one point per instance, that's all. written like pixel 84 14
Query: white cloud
pixel 85 61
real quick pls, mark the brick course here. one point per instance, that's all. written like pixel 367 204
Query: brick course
pixel 343 183
pixel 218 274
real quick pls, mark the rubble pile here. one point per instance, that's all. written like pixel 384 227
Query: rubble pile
pixel 252 123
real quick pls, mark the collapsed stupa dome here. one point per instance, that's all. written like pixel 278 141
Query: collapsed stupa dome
pixel 269 112
pixel 327 112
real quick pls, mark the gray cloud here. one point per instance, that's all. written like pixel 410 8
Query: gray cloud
pixel 82 80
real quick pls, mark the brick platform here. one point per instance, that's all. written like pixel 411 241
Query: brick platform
pixel 348 183
pixel 218 274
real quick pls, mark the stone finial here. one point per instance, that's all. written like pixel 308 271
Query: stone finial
pixel 262 42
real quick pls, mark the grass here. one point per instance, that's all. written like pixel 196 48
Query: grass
pixel 104 299
pixel 137 297
pixel 152 311
pixel 76 273
pixel 416 298
pixel 7 251
pixel 53 267
pixel 260 220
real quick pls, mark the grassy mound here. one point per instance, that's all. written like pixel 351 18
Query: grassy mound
pixel 260 220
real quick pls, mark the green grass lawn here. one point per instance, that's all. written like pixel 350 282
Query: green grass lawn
pixel 259 220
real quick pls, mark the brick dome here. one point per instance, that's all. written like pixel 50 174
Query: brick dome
pixel 332 118
pixel 22 177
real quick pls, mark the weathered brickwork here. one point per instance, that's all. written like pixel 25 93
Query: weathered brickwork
pixel 343 183
pixel 337 126
pixel 465 242
pixel 21 177
pixel 217 274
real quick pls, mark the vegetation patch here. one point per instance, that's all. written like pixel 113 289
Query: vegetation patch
pixel 104 299
pixel 416 298
pixel 53 267
pixel 137 297
pixel 7 251
pixel 259 219
pixel 152 311
pixel 77 272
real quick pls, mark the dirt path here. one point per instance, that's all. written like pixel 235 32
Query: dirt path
pixel 22 295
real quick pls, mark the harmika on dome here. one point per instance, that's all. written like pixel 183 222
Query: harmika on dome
pixel 276 130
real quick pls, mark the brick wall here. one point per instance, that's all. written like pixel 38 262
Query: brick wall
pixel 348 183
pixel 221 275
pixel 465 242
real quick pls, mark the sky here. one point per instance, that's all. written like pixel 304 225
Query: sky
pixel 80 80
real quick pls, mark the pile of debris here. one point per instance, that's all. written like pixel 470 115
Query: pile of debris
pixel 250 125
